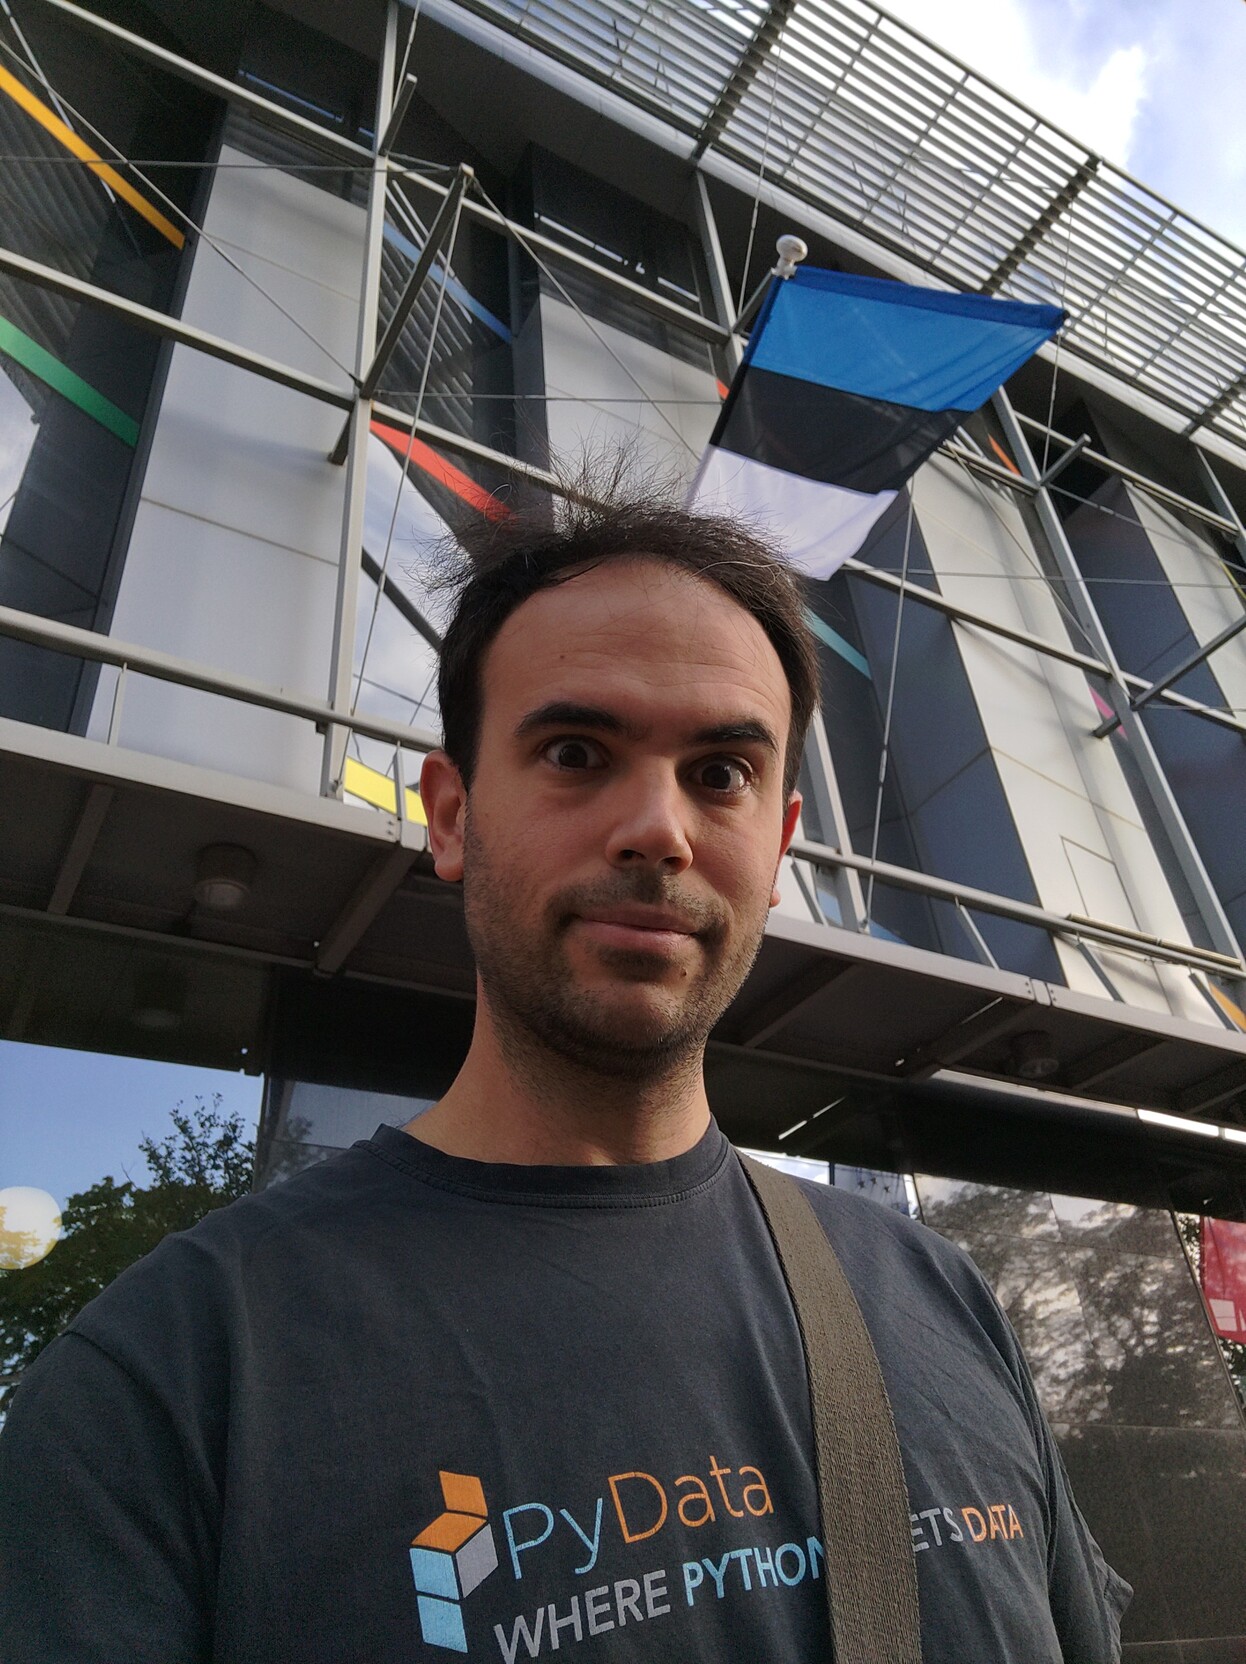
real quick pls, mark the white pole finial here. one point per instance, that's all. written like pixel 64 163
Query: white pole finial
pixel 791 250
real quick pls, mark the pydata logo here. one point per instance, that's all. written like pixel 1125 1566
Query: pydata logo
pixel 450 1558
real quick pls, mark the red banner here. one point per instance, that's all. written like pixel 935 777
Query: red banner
pixel 1223 1258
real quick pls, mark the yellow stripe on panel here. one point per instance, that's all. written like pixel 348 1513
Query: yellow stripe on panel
pixel 49 120
pixel 1231 1009
pixel 358 780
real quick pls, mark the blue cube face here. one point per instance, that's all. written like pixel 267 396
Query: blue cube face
pixel 441 1623
pixel 433 1571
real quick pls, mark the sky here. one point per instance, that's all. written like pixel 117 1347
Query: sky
pixel 1154 86
pixel 69 1118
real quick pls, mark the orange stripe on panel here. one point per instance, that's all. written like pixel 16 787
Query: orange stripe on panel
pixel 445 473
pixel 1002 454
pixel 53 124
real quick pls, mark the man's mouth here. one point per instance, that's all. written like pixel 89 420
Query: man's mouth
pixel 637 928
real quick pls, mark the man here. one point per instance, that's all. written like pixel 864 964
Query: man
pixel 524 1378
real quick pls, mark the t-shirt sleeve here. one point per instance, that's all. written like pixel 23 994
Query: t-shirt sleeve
pixel 103 1540
pixel 1087 1597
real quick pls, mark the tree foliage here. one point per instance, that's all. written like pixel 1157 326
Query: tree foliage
pixel 205 1162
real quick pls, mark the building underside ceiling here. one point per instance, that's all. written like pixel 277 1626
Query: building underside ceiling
pixel 98 923
pixel 849 110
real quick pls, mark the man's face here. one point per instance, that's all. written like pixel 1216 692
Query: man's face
pixel 620 841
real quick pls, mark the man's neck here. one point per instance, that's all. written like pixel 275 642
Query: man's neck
pixel 530 1110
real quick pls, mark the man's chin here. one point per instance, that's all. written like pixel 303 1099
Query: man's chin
pixel 639 1040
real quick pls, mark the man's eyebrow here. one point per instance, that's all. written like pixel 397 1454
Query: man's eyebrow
pixel 565 713
pixel 747 732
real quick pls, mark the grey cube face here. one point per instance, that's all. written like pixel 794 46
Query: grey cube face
pixel 476 1559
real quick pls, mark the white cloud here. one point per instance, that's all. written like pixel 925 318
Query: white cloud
pixel 1096 97
pixel 1151 85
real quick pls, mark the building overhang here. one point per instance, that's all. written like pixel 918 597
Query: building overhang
pixel 100 847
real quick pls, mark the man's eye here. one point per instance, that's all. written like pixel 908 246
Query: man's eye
pixel 574 754
pixel 721 774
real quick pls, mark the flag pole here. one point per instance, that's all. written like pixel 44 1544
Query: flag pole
pixel 791 251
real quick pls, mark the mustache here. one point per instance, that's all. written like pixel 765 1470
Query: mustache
pixel 644 888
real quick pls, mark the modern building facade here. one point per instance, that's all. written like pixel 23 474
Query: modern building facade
pixel 288 289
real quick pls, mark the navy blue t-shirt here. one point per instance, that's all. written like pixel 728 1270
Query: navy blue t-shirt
pixel 406 1407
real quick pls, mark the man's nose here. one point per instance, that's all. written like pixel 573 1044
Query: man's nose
pixel 650 822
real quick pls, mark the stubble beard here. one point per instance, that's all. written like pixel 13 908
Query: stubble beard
pixel 543 1018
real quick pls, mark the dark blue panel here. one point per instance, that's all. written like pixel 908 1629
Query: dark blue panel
pixel 926 348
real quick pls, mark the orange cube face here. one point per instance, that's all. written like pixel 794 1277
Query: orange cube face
pixel 464 1494
pixel 448 1532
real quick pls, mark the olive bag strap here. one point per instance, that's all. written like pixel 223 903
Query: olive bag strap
pixel 871 1578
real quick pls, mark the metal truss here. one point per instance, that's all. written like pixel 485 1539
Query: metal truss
pixel 710 63
pixel 865 120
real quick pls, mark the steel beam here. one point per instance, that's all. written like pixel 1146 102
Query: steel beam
pixel 173 329
pixel 165 667
pixel 1077 594
pixel 355 451
pixel 706 329
pixel 78 853
pixel 1229 517
pixel 1030 238
pixel 1175 676
pixel 828 806
pixel 139 47
pixel 716 266
pixel 398 114
pixel 1222 522
pixel 364 907
pixel 428 255
pixel 1024 912
pixel 747 68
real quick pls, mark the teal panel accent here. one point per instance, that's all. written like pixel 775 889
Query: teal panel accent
pixel 837 644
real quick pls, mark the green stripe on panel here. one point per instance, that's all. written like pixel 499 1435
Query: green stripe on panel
pixel 40 362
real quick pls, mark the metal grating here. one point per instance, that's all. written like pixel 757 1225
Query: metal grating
pixel 862 118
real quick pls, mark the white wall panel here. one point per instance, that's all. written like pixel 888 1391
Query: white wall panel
pixel 598 379
pixel 1204 590
pixel 232 559
pixel 1066 790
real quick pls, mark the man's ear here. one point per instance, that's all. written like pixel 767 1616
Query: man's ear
pixel 444 797
pixel 790 816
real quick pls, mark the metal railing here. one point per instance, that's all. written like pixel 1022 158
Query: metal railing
pixel 131 659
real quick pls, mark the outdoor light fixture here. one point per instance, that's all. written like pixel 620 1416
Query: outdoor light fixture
pixel 223 876
pixel 1033 1055
pixel 159 998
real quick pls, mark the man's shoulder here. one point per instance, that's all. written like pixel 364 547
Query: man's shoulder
pixel 900 1269
pixel 187 1285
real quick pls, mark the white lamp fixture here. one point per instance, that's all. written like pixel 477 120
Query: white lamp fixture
pixel 1033 1055
pixel 223 876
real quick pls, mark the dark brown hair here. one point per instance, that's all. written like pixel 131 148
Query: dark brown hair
pixel 513 555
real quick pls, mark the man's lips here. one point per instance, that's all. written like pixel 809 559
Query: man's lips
pixel 644 929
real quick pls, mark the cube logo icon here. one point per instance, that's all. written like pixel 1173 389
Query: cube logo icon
pixel 450 1558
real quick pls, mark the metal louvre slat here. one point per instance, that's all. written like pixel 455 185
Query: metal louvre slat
pixel 858 116
pixel 891 169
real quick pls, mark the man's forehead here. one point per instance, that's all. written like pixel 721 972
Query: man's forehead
pixel 637 602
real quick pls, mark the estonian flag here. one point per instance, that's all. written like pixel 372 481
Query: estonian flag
pixel 848 384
